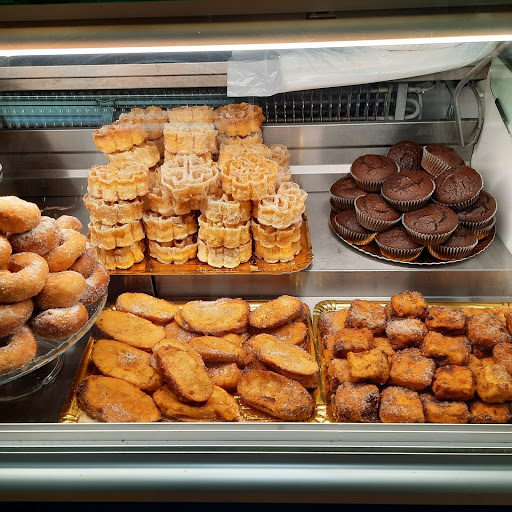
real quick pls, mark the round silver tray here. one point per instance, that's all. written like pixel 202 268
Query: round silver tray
pixel 425 258
pixel 49 350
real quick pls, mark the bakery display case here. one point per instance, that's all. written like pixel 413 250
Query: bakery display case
pixel 333 85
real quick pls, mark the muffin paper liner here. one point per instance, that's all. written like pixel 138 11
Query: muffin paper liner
pixel 399 254
pixel 481 224
pixel 451 253
pixel 353 237
pixel 428 239
pixel 368 186
pixel 482 232
pixel 432 164
pixel 343 202
pixel 408 206
pixel 463 204
pixel 374 224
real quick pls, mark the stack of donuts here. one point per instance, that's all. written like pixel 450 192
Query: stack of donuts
pixel 48 274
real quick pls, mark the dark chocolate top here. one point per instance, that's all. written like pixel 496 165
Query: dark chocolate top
pixel 373 167
pixel 346 188
pixel 445 154
pixel 432 219
pixel 408 186
pixel 406 154
pixel 397 238
pixel 348 220
pixel 483 209
pixel 376 207
pixel 457 185
pixel 461 237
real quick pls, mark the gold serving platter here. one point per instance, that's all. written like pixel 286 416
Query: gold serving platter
pixel 327 306
pixel 254 266
pixel 72 413
pixel 425 258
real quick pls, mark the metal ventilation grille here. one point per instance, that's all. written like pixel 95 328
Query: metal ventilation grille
pixel 91 109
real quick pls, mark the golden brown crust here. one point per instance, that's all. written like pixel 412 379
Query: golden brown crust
pixel 409 305
pixel 276 312
pixel 294 333
pixel 363 313
pixel 158 311
pixel 115 400
pixel 218 350
pixel 454 383
pixel 225 375
pixel 446 320
pixel 445 411
pixel 357 403
pixel 400 405
pixel 14 316
pixel 61 290
pixel 59 323
pixel 20 349
pixel 18 215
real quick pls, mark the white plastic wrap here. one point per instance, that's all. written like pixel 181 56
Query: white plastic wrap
pixel 265 73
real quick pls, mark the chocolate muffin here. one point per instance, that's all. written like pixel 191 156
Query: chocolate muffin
pixel 438 158
pixel 374 213
pixel 480 214
pixel 460 245
pixel 370 171
pixel 348 227
pixel 458 188
pixel 345 191
pixel 431 225
pixel 407 155
pixel 408 190
pixel 396 244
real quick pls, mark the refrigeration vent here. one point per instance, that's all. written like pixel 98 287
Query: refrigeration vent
pixel 91 109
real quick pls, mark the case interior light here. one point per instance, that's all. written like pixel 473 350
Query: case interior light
pixel 7 52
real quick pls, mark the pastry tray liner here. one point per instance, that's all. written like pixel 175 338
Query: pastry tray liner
pixel 335 305
pixel 71 412
pixel 255 265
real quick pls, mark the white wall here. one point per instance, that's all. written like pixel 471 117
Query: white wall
pixel 492 157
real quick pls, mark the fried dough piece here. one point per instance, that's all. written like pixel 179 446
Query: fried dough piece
pixel 174 331
pixel 446 350
pixel 502 353
pixel 224 375
pixel 186 377
pixel 116 359
pixel 114 400
pixel 276 395
pixel 482 412
pixel 357 403
pixel 400 405
pixel 237 339
pixel 218 350
pixel 221 406
pixel 216 317
pixel 363 313
pixel 285 359
pixel 276 312
pixel 337 373
pixel 331 321
pixel 487 330
pixel 408 305
pixel 158 311
pixel 128 328
pixel 444 411
pixel 180 345
pixel 446 320
pixel 294 333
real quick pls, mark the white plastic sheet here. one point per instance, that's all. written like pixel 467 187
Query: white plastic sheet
pixel 265 73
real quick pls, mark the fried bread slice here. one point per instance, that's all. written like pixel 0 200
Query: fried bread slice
pixel 294 333
pixel 186 377
pixel 158 311
pixel 216 317
pixel 114 400
pixel 116 359
pixel 276 312
pixel 175 331
pixel 218 350
pixel 276 395
pixel 288 360
pixel 221 406
pixel 225 375
pixel 128 328
pixel 180 345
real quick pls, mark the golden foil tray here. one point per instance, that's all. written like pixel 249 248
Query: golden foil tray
pixel 336 305
pixel 253 266
pixel 71 412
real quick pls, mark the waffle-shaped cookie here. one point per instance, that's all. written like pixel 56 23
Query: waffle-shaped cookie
pixel 175 251
pixel 194 114
pixel 221 208
pixel 122 257
pixel 267 236
pixel 238 119
pixel 118 235
pixel 277 254
pixel 121 135
pixel 237 147
pixel 219 257
pixel 152 117
pixel 146 154
pixel 160 200
pixel 165 229
pixel 190 138
pixel 219 235
pixel 110 213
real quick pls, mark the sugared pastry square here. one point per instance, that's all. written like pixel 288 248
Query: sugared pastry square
pixel 331 321
pixel 409 305
pixel 502 354
pixel 444 411
pixel 352 340
pixel 475 364
pixel 337 373
pixel 446 320
pixel 410 369
pixel 446 350
pixel 368 366
pixel 494 384
pixel 363 313
pixel 400 405
pixel 383 344
pixel 357 403
pixel 405 333
pixel 482 412
pixel 454 383
pixel 487 330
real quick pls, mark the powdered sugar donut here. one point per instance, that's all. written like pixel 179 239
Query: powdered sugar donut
pixel 41 239
pixel 59 323
pixel 14 316
pixel 17 215
pixel 69 222
pixel 64 255
pixel 61 290
pixel 23 277
pixel 21 348
pixel 86 262
pixel 5 250
pixel 96 284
